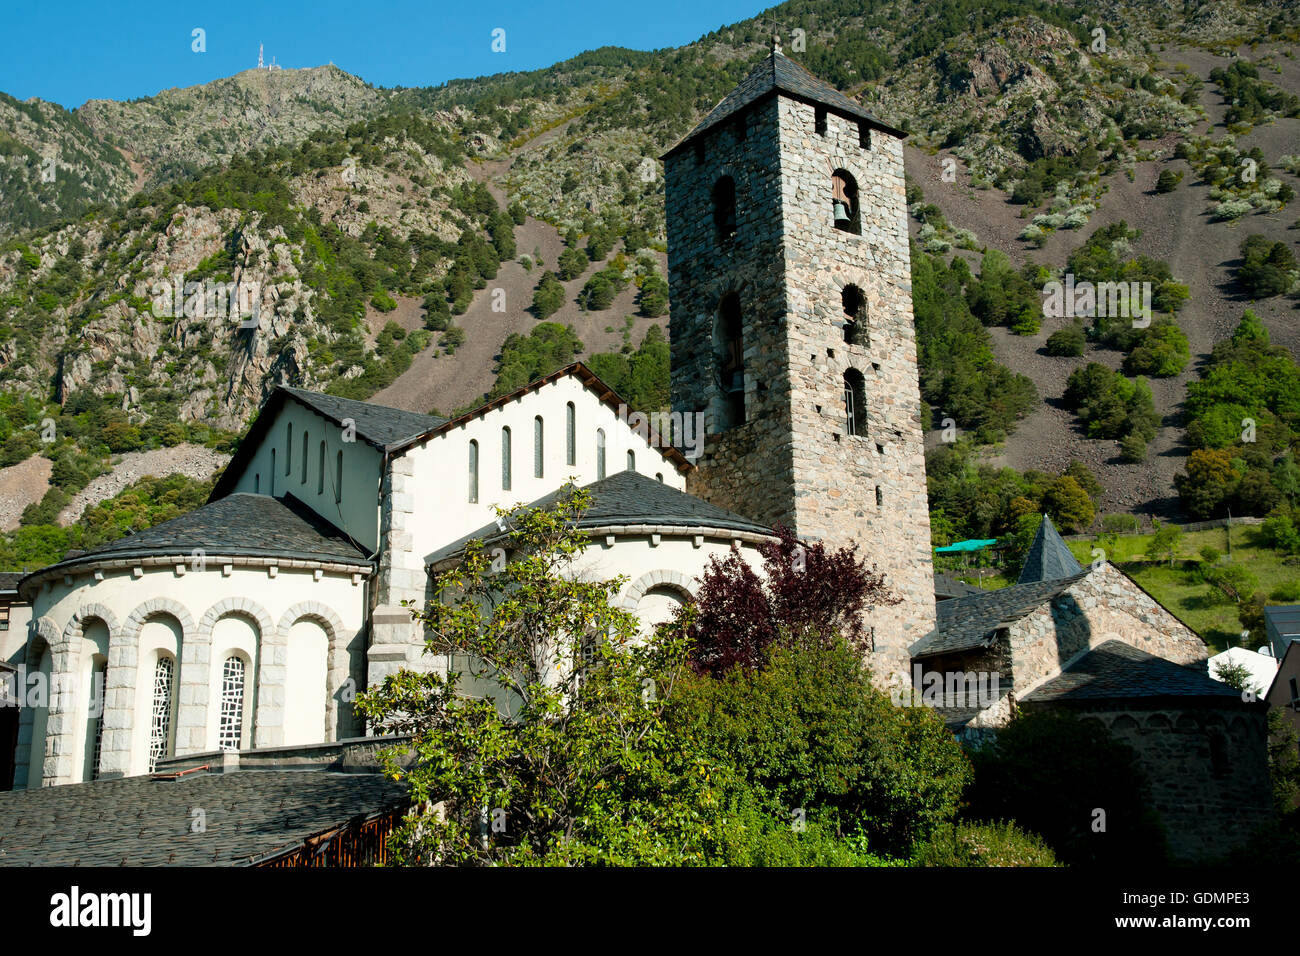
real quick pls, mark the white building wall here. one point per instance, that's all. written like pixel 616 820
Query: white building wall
pixel 440 466
pixel 181 614
pixel 352 507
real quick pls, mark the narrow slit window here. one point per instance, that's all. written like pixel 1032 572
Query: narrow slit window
pixel 631 460
pixel 338 476
pixel 730 355
pixel 473 472
pixel 600 453
pixel 539 451
pixel 819 120
pixel 288 450
pixel 570 434
pixel 320 479
pixel 855 403
pixel 272 472
pixel 305 445
pixel 505 459
pixel 864 135
pixel 855 315
pixel 724 209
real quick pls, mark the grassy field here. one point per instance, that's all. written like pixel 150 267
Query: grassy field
pixel 1180 589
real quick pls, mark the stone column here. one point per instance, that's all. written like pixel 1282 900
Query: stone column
pixel 61 727
pixel 272 672
pixel 119 702
pixel 194 688
pixel 396 640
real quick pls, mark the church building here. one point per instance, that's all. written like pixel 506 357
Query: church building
pixel 250 623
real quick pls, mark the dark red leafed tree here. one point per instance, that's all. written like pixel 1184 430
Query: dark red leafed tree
pixel 809 594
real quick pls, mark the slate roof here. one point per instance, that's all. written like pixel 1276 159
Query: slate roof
pixel 393 430
pixel 378 425
pixel 778 73
pixel 1049 558
pixel 627 498
pixel 239 524
pixel 946 586
pixel 142 821
pixel 967 623
pixel 1115 670
pixel 9 580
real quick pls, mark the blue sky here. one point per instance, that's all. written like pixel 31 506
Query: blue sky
pixel 69 52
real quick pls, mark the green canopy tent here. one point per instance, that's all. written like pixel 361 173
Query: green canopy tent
pixel 971 544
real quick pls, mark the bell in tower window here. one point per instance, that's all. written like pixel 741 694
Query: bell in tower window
pixel 844 202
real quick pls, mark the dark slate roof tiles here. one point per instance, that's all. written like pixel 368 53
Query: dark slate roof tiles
pixel 1115 670
pixel 628 498
pixel 376 424
pixel 966 623
pixel 1049 558
pixel 778 73
pixel 239 524
pixel 140 821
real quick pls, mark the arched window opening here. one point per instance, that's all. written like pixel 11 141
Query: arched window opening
pixel 473 472
pixel 161 713
pixel 338 476
pixel 819 120
pixel 305 445
pixel 880 497
pixel 600 453
pixel 99 685
pixel 230 732
pixel 505 459
pixel 538 449
pixel 659 476
pixel 570 434
pixel 631 460
pixel 730 354
pixel 864 135
pixel 288 450
pixel 855 315
pixel 724 208
pixel 855 402
pixel 844 202
pixel 320 479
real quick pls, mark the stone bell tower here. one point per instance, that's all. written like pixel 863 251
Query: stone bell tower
pixel 790 290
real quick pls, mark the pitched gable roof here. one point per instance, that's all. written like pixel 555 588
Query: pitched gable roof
pixel 777 73
pixel 627 498
pixel 379 425
pixel 967 623
pixel 1118 671
pixel 393 430
pixel 1049 559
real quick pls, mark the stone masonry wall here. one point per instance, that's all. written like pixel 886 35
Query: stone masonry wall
pixel 1207 772
pixel 792 461
pixel 747 468
pixel 1103 606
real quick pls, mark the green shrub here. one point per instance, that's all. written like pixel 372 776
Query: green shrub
pixel 1067 341
pixel 810 732
pixel 1051 773
pixel 988 844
